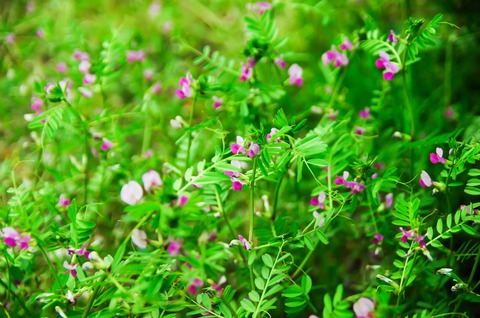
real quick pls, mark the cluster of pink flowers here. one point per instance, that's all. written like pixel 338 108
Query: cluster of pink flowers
pixel 12 238
pixel 186 86
pixel 391 68
pixel 259 7
pixel 84 68
pixel 414 236
pixel 355 186
pixel 247 70
pixel 135 56
pixel 338 58
pixel 239 147
pixel 132 192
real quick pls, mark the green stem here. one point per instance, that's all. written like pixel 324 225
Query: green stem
pixel 20 301
pixel 50 265
pixel 92 298
pixel 190 122
pixel 252 200
pixel 275 198
pixel 371 211
pixel 474 269
pixel 304 262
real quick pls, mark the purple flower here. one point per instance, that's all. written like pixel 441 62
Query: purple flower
pixel 151 179
pixel 174 248
pixel 359 130
pixel 425 180
pixel 186 86
pixel 131 193
pixel 238 147
pixel 346 45
pixel 71 268
pixel 63 201
pixel 273 131
pixel 392 37
pixel 10 236
pixel 37 104
pixel 319 201
pixel 390 68
pixel 106 144
pixel 245 243
pixel 406 235
pixel 377 238
pixel 280 62
pixel 388 200
pixel 338 59
pixel 260 7
pixel 420 241
pixel 363 308
pixel 253 150
pixel 139 238
pixel 295 73
pixel 182 200
pixel 133 56
pixel 81 56
pixel 192 288
pixel 217 102
pixel 437 157
pixel 247 70
pixel 341 180
pixel 365 113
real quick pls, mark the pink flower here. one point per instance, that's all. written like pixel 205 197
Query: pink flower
pixel 89 79
pixel 346 45
pixel 185 84
pixel 320 221
pixel 359 130
pixel 131 193
pixel 82 251
pixel 253 150
pixel 154 9
pixel 363 308
pixel 106 144
pixel 260 7
pixel 341 180
pixel 437 157
pixel 10 236
pixel 295 73
pixel 85 92
pixel 23 242
pixel 81 56
pixel 61 67
pixel 157 88
pixel 388 200
pixel 71 268
pixel 377 238
pixel 280 62
pixel 139 238
pixel 84 66
pixel 319 201
pixel 10 39
pixel 63 201
pixel 237 184
pixel 151 179
pixel 273 131
pixel 338 59
pixel 217 102
pixel 147 74
pixel 192 289
pixel 40 33
pixel 406 235
pixel 182 200
pixel 238 147
pixel 425 180
pixel 174 248
pixel 246 70
pixel 392 37
pixel 420 241
pixel 390 68
pixel 365 113
pixel 245 243
pixel 449 112
pixel 133 56
pixel 37 103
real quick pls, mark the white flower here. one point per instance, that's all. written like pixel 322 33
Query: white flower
pixel 131 193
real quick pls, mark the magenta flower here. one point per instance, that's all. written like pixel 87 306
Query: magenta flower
pixel 280 62
pixel 89 79
pixel 341 180
pixel 391 68
pixel 217 102
pixel 365 113
pixel 237 184
pixel 151 179
pixel 37 103
pixel 420 241
pixel 196 283
pixel 273 131
pixel 63 201
pixel 106 144
pixel 295 73
pixel 10 236
pixel 425 180
pixel 81 56
pixel 253 150
pixel 174 248
pixel 139 238
pixel 437 157
pixel 338 59
pixel 71 268
pixel 246 70
pixel 377 238
pixel 406 235
pixel 182 200
pixel 346 45
pixel 392 37
pixel 238 147
pixel 133 56
pixel 131 193
pixel 82 251
pixel 260 7
pixel 186 86
pixel 359 130
pixel 245 243
pixel 319 201
pixel 363 308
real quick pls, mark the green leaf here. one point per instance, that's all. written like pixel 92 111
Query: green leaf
pixel 439 226
pixel 338 295
pixel 259 283
pixel 322 237
pixel 267 260
pixel 254 296
pixel 247 305
pixel 306 284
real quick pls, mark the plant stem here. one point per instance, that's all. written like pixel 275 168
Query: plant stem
pixel 20 301
pixel 275 197
pixel 252 200
pixel 50 265
pixel 304 262
pixel 474 269
pixel 190 121
pixel 92 298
